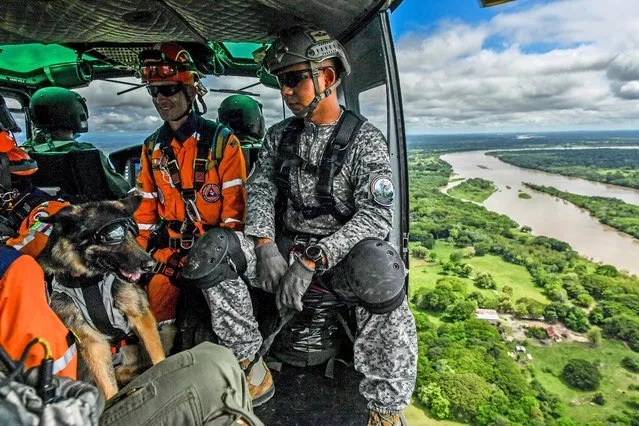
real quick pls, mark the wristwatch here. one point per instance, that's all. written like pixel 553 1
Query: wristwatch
pixel 314 253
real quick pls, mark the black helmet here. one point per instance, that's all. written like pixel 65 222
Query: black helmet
pixel 243 114
pixel 54 108
pixel 302 44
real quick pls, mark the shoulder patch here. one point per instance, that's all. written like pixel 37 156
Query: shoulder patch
pixel 382 190
pixel 211 193
pixel 234 143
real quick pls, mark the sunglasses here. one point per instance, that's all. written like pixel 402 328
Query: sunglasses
pixel 166 90
pixel 291 79
pixel 114 232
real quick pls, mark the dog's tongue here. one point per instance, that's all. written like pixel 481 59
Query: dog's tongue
pixel 131 276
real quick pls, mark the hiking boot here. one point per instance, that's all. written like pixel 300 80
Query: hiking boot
pixel 260 380
pixel 376 418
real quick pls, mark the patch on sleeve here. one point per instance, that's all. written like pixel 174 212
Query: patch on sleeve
pixel 382 190
pixel 211 193
pixel 234 143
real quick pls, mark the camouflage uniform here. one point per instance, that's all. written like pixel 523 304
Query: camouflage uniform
pixel 385 345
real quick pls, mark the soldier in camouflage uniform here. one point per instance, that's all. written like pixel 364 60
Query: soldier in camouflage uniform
pixel 308 64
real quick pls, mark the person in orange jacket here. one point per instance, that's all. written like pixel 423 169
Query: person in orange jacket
pixel 25 314
pixel 192 179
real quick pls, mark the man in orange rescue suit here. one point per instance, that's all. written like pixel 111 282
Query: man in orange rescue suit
pixel 192 180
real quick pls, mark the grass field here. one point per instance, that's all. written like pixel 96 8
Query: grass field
pixel 614 384
pixel 424 274
pixel 415 416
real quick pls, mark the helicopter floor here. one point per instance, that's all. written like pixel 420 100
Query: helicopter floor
pixel 305 396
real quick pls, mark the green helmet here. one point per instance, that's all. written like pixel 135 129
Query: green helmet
pixel 243 114
pixel 54 108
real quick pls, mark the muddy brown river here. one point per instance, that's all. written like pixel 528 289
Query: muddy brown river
pixel 551 216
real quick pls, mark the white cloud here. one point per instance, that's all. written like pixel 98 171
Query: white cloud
pixel 556 65
pixel 560 65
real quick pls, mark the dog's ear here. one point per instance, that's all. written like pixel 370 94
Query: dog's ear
pixel 131 202
pixel 66 217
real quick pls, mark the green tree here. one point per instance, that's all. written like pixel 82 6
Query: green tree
pixel 594 336
pixel 419 252
pixel 630 363
pixel 581 374
pixel 461 310
pixel 584 299
pixel 431 396
pixel 485 280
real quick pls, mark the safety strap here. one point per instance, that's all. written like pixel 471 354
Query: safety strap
pixel 213 138
pixel 331 164
pixel 7 256
pixel 95 306
pixel 5 171
pixel 172 268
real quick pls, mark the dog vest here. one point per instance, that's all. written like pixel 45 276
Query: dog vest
pixel 332 161
pixel 94 298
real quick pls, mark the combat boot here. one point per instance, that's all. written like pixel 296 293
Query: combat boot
pixel 376 418
pixel 260 380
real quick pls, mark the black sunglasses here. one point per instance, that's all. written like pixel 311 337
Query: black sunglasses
pixel 291 79
pixel 114 232
pixel 165 90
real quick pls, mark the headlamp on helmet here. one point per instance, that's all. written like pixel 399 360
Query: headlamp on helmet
pixel 167 62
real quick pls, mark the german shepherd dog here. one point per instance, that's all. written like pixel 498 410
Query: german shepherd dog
pixel 93 243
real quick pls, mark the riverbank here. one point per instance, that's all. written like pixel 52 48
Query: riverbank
pixel 549 216
pixel 465 372
pixel 613 166
pixel 475 189
pixel 609 211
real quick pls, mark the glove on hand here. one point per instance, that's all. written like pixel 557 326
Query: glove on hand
pixel 271 266
pixel 296 281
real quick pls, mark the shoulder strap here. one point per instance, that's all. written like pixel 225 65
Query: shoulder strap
pixel 97 311
pixel 286 151
pixel 332 161
pixel 7 256
pixel 149 143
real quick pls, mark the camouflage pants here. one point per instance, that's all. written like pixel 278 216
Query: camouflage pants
pixel 386 354
pixel 385 351
pixel 232 312
pixel 232 318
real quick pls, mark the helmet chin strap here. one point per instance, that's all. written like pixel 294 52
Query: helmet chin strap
pixel 307 111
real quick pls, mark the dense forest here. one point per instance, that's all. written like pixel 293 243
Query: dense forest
pixel 468 369
pixel 610 211
pixel 474 189
pixel 614 166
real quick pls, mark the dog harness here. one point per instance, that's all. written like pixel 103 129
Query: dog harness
pixel 94 297
pixel 332 161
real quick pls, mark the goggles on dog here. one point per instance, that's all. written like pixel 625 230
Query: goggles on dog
pixel 114 232
pixel 165 90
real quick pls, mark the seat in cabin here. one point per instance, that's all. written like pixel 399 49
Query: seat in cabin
pixel 79 175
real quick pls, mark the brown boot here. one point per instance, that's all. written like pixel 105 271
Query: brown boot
pixel 376 418
pixel 260 380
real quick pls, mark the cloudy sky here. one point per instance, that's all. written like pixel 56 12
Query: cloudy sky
pixel 530 65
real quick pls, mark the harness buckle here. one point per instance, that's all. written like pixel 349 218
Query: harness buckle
pixel 187 243
pixel 188 197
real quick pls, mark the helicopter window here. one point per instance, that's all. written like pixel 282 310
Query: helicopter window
pixel 373 106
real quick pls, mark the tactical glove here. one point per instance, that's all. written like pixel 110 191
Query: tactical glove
pixel 296 281
pixel 271 266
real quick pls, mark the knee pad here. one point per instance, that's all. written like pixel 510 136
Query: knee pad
pixel 215 257
pixel 372 274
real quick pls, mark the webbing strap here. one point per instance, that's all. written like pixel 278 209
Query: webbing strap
pixel 332 161
pixel 95 306
pixel 5 171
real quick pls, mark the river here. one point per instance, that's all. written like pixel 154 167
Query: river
pixel 551 216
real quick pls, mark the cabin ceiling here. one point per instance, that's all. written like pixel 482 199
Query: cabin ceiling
pixel 148 21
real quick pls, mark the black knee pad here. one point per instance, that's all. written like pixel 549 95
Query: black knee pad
pixel 372 274
pixel 215 257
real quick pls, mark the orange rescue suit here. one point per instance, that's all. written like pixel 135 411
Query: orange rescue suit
pixel 25 315
pixel 33 234
pixel 221 201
